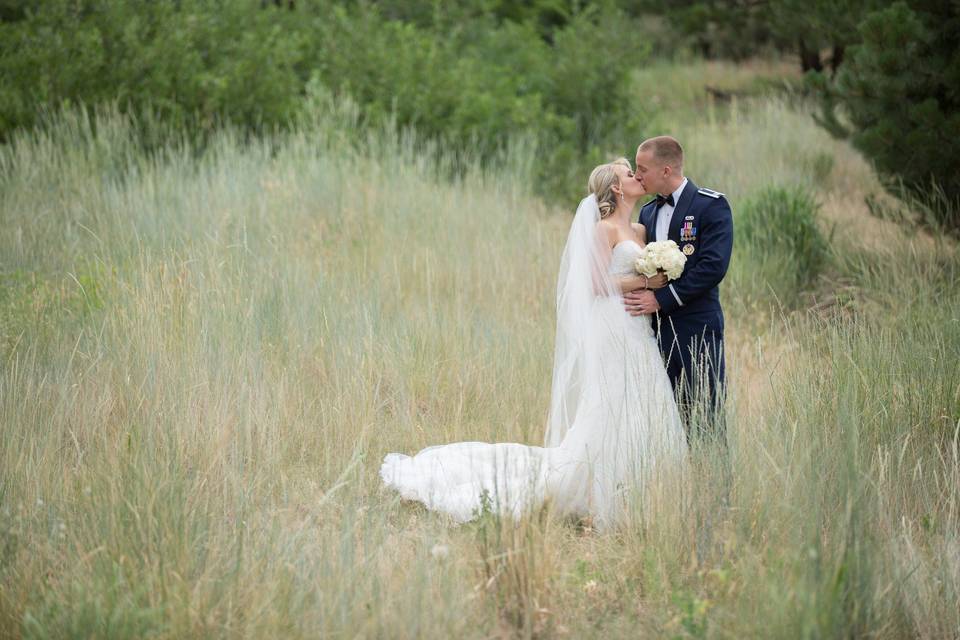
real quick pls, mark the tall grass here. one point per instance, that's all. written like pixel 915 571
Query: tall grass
pixel 205 358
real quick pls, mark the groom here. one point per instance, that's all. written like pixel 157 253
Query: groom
pixel 686 313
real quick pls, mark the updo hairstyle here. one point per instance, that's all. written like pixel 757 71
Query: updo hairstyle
pixel 601 183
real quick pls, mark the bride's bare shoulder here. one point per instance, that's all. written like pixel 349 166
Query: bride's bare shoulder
pixel 608 230
pixel 641 231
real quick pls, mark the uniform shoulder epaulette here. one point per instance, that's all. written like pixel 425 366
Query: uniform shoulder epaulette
pixel 710 192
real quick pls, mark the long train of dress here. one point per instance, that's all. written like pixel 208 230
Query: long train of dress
pixel 627 430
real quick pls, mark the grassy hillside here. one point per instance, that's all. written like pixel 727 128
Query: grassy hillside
pixel 204 359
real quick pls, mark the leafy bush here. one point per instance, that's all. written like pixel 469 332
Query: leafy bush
pixel 777 228
pixel 889 82
pixel 191 62
pixel 469 79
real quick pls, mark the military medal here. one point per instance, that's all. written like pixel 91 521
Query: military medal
pixel 688 249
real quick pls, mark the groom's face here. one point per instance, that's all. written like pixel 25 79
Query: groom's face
pixel 650 173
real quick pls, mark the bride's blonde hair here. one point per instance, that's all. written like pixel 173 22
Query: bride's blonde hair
pixel 601 182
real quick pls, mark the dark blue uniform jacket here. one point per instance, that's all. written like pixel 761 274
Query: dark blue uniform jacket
pixel 702 220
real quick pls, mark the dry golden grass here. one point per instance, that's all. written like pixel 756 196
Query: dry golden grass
pixel 205 359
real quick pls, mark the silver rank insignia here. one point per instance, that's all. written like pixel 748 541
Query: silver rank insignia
pixel 710 193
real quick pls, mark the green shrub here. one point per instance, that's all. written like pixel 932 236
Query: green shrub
pixel 777 231
pixel 472 82
pixel 476 85
pixel 192 62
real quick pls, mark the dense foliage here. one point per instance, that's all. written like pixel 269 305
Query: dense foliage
pixel 790 262
pixel 901 90
pixel 816 31
pixel 479 73
pixel 471 75
pixel 888 74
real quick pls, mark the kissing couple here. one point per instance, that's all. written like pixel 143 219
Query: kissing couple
pixel 638 373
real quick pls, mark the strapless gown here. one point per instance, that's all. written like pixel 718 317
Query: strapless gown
pixel 627 430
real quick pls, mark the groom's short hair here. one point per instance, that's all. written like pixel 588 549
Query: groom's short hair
pixel 666 150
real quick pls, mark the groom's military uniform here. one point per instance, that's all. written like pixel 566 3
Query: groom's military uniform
pixel 689 324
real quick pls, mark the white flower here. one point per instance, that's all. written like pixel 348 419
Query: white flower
pixel 665 255
pixel 440 551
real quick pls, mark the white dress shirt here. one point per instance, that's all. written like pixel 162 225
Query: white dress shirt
pixel 662 232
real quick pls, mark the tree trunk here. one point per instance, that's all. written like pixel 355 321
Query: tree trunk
pixel 836 59
pixel 809 58
pixel 706 49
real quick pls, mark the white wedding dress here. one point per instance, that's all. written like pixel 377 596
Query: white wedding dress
pixel 619 427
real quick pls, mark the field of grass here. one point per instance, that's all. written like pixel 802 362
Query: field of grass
pixel 204 357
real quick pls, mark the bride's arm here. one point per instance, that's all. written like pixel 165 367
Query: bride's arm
pixel 627 284
pixel 640 281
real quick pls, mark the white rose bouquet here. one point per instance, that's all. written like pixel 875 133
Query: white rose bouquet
pixel 661 256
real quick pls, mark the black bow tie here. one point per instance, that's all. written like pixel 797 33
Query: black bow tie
pixel 661 200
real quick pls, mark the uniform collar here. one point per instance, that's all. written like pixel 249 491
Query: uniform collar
pixel 679 192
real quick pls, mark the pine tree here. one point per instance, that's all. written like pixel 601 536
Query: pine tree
pixel 900 88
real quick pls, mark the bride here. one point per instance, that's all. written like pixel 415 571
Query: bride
pixel 613 426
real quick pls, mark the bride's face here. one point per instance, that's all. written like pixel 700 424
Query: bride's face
pixel 632 188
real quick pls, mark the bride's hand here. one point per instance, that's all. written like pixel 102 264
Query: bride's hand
pixel 658 281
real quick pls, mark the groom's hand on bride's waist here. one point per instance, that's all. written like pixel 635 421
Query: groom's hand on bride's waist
pixel 640 303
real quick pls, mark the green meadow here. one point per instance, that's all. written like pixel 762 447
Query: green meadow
pixel 204 356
